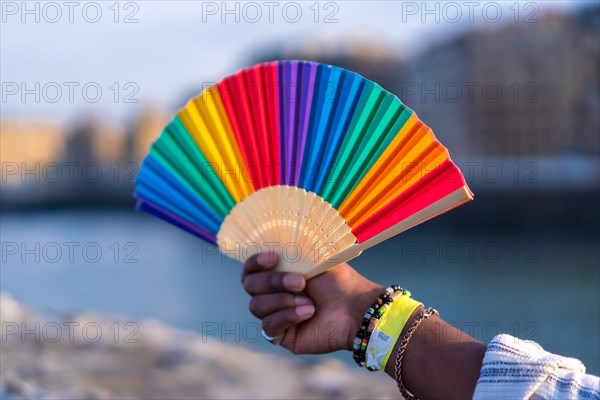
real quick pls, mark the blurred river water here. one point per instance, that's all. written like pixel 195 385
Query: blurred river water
pixel 534 283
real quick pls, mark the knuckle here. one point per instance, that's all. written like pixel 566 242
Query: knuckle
pixel 249 266
pixel 286 300
pixel 275 281
pixel 294 350
pixel 290 317
pixel 269 325
pixel 247 283
pixel 254 284
pixel 251 261
pixel 282 319
pixel 254 306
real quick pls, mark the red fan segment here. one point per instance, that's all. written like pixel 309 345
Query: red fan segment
pixel 443 180
pixel 250 98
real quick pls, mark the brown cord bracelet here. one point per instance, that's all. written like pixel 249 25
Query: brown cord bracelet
pixel 402 348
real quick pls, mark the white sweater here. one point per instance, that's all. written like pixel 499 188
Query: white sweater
pixel 520 369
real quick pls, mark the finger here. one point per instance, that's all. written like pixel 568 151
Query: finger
pixel 277 323
pixel 273 282
pixel 259 262
pixel 265 304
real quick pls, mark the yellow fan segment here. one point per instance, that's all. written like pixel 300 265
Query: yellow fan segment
pixel 205 119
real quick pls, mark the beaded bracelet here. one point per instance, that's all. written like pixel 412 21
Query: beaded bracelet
pixel 402 348
pixel 386 333
pixel 369 322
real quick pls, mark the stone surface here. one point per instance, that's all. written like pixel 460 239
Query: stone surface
pixel 60 360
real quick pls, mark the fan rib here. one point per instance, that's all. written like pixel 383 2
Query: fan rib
pixel 356 132
pixel 175 220
pixel 341 125
pixel 378 172
pixel 179 159
pixel 448 180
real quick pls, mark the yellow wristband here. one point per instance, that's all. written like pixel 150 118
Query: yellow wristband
pixel 387 331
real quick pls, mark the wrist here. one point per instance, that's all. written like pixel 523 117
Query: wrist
pixel 389 367
pixel 357 308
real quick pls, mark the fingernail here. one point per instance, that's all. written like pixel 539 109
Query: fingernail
pixel 302 301
pixel 267 259
pixel 305 311
pixel 293 281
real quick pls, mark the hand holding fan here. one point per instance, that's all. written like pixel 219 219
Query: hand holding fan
pixel 305 159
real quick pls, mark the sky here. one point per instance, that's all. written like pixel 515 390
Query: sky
pixel 62 59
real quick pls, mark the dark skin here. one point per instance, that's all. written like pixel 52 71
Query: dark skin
pixel 323 314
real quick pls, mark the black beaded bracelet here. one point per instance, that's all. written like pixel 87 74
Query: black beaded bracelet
pixel 369 321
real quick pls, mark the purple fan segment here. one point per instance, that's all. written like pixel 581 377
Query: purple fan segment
pixel 160 212
pixel 297 86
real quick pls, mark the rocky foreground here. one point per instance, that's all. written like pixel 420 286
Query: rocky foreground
pixel 85 356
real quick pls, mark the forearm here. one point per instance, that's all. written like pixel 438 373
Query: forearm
pixel 440 361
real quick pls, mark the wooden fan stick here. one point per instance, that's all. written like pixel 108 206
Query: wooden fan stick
pixel 447 203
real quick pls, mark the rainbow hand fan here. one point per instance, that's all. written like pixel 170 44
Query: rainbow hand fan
pixel 309 160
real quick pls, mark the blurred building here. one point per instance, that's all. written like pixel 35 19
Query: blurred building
pixel 528 89
pixel 110 145
pixel 27 145
pixel 143 131
pixel 88 162
pixel 510 91
pixel 367 57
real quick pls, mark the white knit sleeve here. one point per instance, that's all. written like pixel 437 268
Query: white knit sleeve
pixel 520 369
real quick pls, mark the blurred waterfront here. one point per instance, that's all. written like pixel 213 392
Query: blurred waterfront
pixel 526 280
pixel 517 104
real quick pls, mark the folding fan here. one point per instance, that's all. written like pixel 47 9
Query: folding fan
pixel 308 160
